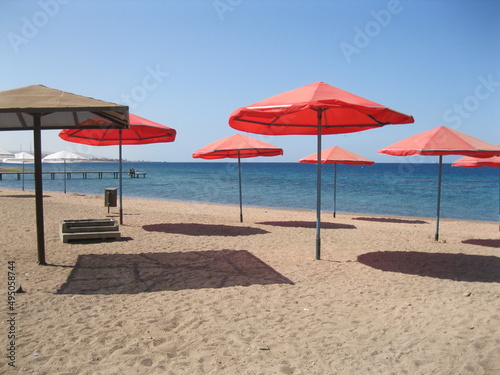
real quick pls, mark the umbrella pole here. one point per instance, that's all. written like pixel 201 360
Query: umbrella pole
pixel 334 189
pixel 499 199
pixel 23 175
pixel 121 178
pixel 436 236
pixel 37 140
pixel 318 191
pixel 64 176
pixel 239 179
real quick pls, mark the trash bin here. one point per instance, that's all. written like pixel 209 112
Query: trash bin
pixel 110 197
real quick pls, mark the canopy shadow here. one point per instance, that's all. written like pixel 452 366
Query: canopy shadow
pixel 483 242
pixel 195 229
pixel 457 267
pixel 391 220
pixel 154 272
pixel 307 224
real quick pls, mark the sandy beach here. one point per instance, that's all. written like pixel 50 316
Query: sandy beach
pixel 190 290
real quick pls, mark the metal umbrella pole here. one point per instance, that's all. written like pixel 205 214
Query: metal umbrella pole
pixel 318 193
pixel 121 178
pixel 436 236
pixel 334 189
pixel 239 179
pixel 64 176
pixel 23 174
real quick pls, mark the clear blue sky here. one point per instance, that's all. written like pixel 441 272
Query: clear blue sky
pixel 189 63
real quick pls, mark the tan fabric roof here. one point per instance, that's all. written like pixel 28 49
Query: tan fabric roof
pixel 59 109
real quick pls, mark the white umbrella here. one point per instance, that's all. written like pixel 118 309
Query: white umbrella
pixel 21 158
pixel 63 157
pixel 4 154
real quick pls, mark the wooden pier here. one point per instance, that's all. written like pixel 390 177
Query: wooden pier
pixel 82 174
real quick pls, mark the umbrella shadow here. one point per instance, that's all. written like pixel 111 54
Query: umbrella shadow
pixel 154 272
pixel 308 224
pixel 391 220
pixel 457 267
pixel 195 229
pixel 483 242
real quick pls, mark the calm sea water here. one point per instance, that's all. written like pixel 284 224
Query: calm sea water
pixel 385 189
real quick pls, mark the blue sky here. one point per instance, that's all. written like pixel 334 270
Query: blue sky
pixel 188 64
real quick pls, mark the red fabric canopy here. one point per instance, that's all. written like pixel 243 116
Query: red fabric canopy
pixel 314 109
pixel 141 131
pixel 442 141
pixel 237 146
pixel 296 112
pixel 471 162
pixel 336 155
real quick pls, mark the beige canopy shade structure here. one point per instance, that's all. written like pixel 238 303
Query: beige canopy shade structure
pixel 38 107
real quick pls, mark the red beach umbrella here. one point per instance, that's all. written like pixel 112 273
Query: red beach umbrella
pixel 141 131
pixel 315 109
pixel 470 162
pixel 236 147
pixel 336 155
pixel 441 141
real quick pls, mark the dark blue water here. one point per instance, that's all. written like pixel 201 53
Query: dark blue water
pixel 387 189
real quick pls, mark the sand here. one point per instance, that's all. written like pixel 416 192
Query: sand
pixel 191 290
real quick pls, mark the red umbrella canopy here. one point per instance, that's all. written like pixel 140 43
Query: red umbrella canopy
pixel 471 162
pixel 336 155
pixel 442 141
pixel 141 131
pixel 297 112
pixel 237 146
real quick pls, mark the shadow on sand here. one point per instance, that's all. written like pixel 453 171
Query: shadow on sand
pixel 458 267
pixel 154 272
pixel 22 196
pixel 307 224
pixel 484 242
pixel 391 220
pixel 194 229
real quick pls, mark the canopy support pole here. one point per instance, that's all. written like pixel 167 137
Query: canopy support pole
pixel 318 187
pixel 239 179
pixel 37 140
pixel 499 199
pixel 334 189
pixel 436 236
pixel 121 178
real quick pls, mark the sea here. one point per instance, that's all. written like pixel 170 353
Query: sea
pixel 394 189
